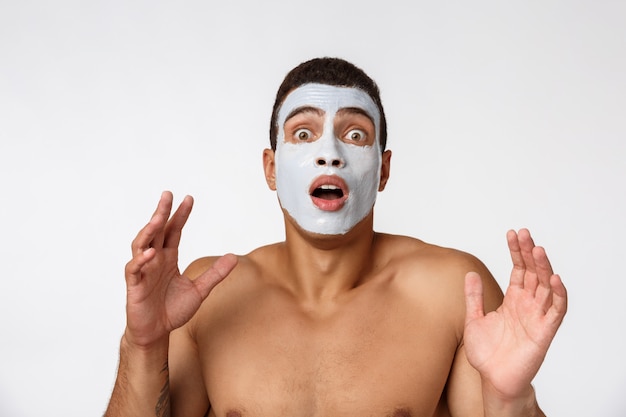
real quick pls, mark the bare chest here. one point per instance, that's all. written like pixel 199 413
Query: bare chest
pixel 374 359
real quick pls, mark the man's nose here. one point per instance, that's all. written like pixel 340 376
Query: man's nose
pixel 334 162
pixel 329 154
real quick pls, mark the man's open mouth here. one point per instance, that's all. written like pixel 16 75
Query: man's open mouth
pixel 328 192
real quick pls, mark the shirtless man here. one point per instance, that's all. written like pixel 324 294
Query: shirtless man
pixel 337 320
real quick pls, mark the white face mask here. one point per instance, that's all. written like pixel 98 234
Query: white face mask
pixel 325 180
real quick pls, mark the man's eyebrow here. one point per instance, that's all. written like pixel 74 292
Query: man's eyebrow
pixel 354 110
pixel 305 109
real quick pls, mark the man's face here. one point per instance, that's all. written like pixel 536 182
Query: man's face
pixel 328 157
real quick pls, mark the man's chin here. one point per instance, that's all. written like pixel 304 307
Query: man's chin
pixel 330 229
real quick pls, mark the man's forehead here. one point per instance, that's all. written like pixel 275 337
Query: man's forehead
pixel 328 98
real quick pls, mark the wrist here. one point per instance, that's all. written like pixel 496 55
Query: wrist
pixel 150 351
pixel 522 404
pixel 145 341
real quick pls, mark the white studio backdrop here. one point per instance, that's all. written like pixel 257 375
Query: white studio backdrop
pixel 501 115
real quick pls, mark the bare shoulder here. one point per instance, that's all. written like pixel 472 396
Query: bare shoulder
pixel 197 267
pixel 415 254
pixel 246 263
pixel 236 293
pixel 435 275
pixel 245 280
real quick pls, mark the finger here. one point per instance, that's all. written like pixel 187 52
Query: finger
pixel 526 245
pixel 543 272
pixel 148 235
pixel 519 266
pixel 559 300
pixel 214 275
pixel 174 227
pixel 144 238
pixel 134 266
pixel 543 299
pixel 474 307
pixel 542 266
pixel 526 248
pixel 161 215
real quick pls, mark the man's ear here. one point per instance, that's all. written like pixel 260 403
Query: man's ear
pixel 269 168
pixel 384 169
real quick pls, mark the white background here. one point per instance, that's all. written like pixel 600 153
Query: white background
pixel 501 115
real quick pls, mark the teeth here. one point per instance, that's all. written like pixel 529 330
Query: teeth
pixel 329 187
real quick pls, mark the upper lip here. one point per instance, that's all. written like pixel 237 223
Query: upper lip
pixel 329 181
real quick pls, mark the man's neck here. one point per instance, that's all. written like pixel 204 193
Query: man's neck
pixel 320 268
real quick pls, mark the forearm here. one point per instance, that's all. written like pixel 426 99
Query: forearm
pixel 524 405
pixel 142 384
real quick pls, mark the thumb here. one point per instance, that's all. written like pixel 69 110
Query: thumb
pixel 474 308
pixel 214 275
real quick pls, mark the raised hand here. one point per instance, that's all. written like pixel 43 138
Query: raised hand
pixel 507 346
pixel 159 298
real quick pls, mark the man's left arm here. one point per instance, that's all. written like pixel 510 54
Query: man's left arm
pixel 507 346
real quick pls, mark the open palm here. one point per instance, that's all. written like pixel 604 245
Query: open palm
pixel 159 298
pixel 507 346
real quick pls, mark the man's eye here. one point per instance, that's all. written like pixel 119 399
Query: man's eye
pixel 303 134
pixel 356 135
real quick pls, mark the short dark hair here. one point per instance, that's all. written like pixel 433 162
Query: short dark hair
pixel 330 71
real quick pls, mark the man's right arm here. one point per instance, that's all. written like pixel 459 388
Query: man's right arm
pixel 159 300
